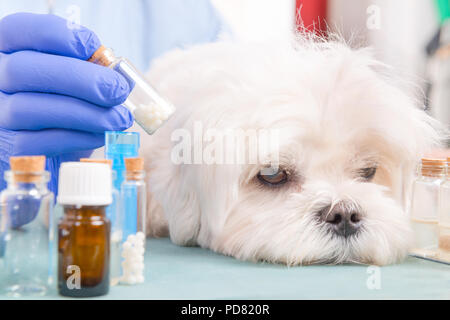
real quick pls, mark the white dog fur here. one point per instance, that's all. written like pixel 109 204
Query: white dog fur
pixel 337 110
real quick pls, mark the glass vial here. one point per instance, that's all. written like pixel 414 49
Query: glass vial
pixel 120 145
pixel 424 206
pixel 149 108
pixel 27 214
pixel 84 231
pixel 134 195
pixel 113 213
pixel 444 215
pixel 3 234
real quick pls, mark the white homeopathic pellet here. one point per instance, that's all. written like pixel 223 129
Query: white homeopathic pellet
pixel 133 265
pixel 152 116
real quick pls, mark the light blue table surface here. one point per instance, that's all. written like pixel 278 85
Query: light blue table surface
pixel 174 272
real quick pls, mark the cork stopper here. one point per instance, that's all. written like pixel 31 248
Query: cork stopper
pixel 135 167
pixel 104 161
pixel 444 242
pixel 27 169
pixel 134 164
pixel 443 52
pixel 433 167
pixel 102 56
pixel 448 168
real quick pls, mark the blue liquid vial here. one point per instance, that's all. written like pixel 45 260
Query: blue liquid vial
pixel 118 146
pixel 134 198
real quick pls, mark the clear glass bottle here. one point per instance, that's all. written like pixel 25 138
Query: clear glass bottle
pixel 113 213
pixel 444 215
pixel 3 234
pixel 134 196
pixel 27 211
pixel 84 231
pixel 149 108
pixel 424 207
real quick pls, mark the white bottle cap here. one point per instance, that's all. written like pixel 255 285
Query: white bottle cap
pixel 85 184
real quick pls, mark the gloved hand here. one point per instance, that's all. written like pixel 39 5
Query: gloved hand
pixel 52 101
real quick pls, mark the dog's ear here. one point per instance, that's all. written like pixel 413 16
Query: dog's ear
pixel 219 190
pixel 195 199
pixel 178 196
pixel 397 112
pixel 408 134
pixel 404 131
pixel 206 193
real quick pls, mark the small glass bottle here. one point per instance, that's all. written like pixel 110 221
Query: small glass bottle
pixel 113 213
pixel 444 215
pixel 27 211
pixel 120 145
pixel 134 195
pixel 424 207
pixel 149 108
pixel 84 231
pixel 3 233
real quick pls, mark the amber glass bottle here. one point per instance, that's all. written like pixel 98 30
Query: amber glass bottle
pixel 84 231
pixel 113 213
pixel 83 241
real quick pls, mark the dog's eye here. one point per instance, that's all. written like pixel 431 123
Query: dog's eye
pixel 277 178
pixel 367 173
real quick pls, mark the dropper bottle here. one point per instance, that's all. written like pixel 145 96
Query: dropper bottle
pixel 84 230
pixel 114 214
pixel 149 108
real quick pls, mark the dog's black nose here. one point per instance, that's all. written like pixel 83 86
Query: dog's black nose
pixel 342 220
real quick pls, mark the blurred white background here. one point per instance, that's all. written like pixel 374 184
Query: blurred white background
pixel 405 28
pixel 258 19
pixel 397 30
pixel 405 25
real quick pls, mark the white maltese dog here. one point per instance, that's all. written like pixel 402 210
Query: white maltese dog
pixel 333 187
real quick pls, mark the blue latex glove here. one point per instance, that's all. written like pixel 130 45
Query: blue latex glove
pixel 52 101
